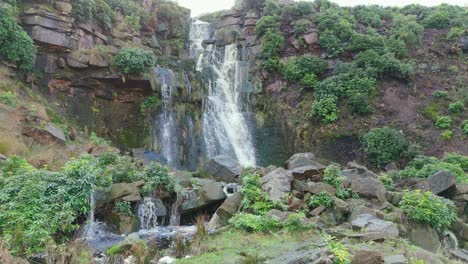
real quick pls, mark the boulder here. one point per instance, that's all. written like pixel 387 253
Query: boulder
pixel 130 243
pixel 300 160
pixel 277 184
pixel 225 211
pixel 460 229
pixel 464 42
pixel 318 187
pixel 396 259
pixel 311 38
pixel 373 228
pixel 425 237
pixel 369 188
pixel 223 168
pixel 275 213
pixel 437 183
pixel 364 256
pixel 3 157
pixel 127 224
pixel 55 131
pixel 302 256
pixel 122 190
pixel 147 157
pixel 311 172
pixel 204 193
pixel 63 6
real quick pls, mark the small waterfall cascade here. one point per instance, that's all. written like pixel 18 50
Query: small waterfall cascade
pixel 166 140
pixel 225 126
pixel 175 211
pixel 91 225
pixel 147 213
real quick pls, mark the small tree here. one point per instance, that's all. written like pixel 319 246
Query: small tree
pixel 134 60
pixel 384 145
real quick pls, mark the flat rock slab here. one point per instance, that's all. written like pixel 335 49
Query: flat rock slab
pixel 374 228
pixel 277 183
pixel 437 183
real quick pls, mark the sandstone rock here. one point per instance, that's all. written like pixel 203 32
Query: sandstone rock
pixel 460 229
pixel 311 38
pixel 318 187
pixel 369 188
pixel 120 190
pixel 395 259
pixel 63 6
pixel 206 193
pixel 277 184
pixel 226 211
pixel 373 228
pixel 310 172
pixel 55 131
pixel 364 256
pixel 50 37
pixel 425 237
pixel 317 211
pixel 438 182
pixel 223 168
pixel 300 160
pixel 282 216
pixel 127 224
pixel 357 210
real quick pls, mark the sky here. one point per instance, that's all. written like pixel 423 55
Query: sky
pixel 199 7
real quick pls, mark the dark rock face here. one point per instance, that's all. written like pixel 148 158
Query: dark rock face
pixel 437 183
pixel 223 168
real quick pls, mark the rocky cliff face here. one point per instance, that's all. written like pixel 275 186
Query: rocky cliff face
pixel 74 66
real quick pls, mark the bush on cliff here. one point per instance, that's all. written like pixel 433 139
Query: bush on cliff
pixel 15 44
pixel 384 145
pixel 134 61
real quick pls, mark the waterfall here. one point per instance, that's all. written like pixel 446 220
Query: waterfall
pixel 91 225
pixel 225 129
pixel 147 213
pixel 166 139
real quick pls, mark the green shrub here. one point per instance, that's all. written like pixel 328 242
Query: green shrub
pixel 323 198
pixel 332 176
pixel 134 61
pixel 437 19
pixel 440 94
pixel 345 85
pixel 310 81
pixel 156 177
pixel 457 159
pixel 123 207
pixel 266 23
pixel 296 69
pixel 428 208
pixel 362 42
pixel 345 193
pixel 326 109
pixel 8 98
pixel 456 107
pixel 456 32
pixel 123 170
pixel 383 64
pixel 15 44
pixel 465 127
pixel 446 135
pixel 150 103
pixel 384 145
pixel 387 182
pixel 271 8
pixel 424 167
pixel 340 252
pixel 331 43
pixel 359 104
pixel 396 46
pixel 30 199
pixel 83 10
pixel 255 223
pixel 254 199
pixel 407 29
pixel 272 44
pixel 98 140
pixel 301 26
pixel 294 223
pixel 443 122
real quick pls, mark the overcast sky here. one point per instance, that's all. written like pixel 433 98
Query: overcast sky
pixel 206 6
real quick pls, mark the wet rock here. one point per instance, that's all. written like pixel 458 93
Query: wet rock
pixel 122 190
pixel 127 224
pixel 395 259
pixel 437 183
pixel 225 211
pixel 223 168
pixel 311 172
pixel 364 256
pixel 277 184
pixel 205 192
pixel 300 160
pixel 55 131
pixel 425 237
pixel 373 228
pixel 131 242
pixel 304 256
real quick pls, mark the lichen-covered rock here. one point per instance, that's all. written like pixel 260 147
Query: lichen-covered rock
pixel 300 160
pixel 204 193
pixel 425 237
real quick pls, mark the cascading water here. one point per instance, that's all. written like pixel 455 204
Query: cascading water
pixel 225 129
pixel 166 139
pixel 147 213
